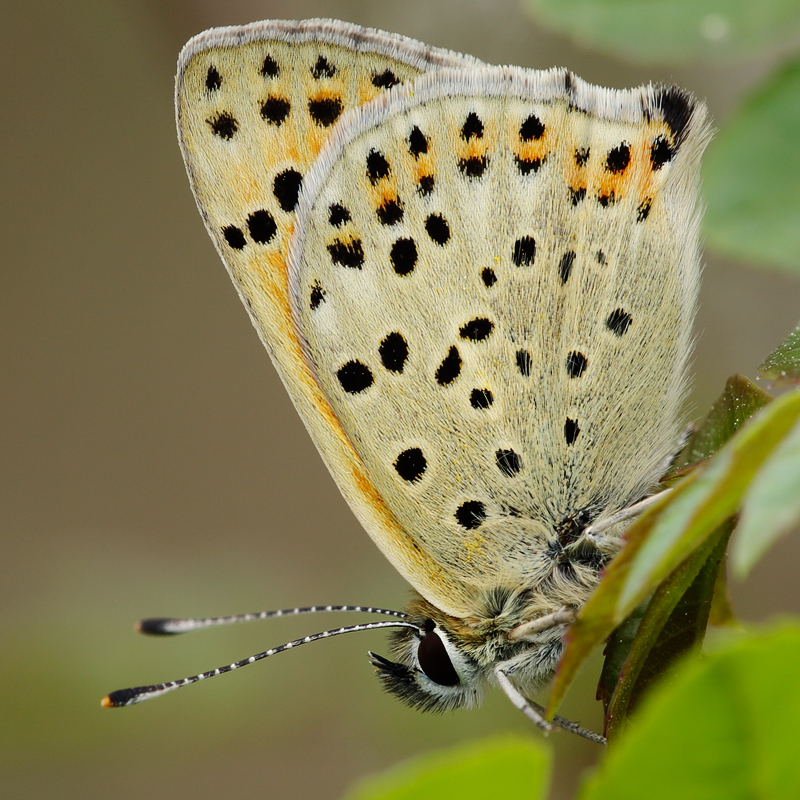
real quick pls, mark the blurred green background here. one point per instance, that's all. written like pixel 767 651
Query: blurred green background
pixel 153 464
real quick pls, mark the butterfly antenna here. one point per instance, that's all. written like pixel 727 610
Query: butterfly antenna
pixel 168 626
pixel 127 697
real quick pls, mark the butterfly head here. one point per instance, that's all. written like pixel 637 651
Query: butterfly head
pixel 444 663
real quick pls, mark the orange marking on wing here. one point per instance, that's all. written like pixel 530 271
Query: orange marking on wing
pixel 423 171
pixel 286 145
pixel 365 90
pixel 473 148
pixel 383 190
pixel 532 150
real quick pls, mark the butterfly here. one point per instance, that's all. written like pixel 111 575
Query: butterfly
pixel 478 286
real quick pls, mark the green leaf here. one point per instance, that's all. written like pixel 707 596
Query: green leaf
pixel 709 497
pixel 670 531
pixel 771 506
pixel 508 767
pixel 782 366
pixel 721 613
pixel 740 399
pixel 673 623
pixel 672 31
pixel 752 177
pixel 725 728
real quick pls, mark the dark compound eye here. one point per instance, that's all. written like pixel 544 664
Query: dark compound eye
pixel 435 662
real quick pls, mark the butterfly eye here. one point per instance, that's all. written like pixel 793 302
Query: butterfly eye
pixel 435 661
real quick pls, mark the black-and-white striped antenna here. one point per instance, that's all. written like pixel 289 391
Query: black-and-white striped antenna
pixel 168 626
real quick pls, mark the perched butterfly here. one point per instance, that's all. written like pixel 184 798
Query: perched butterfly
pixel 478 286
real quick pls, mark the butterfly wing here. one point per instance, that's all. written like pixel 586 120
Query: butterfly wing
pixel 494 275
pixel 254 105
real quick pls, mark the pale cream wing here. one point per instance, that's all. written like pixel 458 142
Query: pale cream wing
pixel 254 106
pixel 495 275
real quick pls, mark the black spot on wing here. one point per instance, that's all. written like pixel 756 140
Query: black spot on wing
pixel 390 212
pixel 417 142
pixel 338 215
pixel 274 110
pixel 508 462
pixel 606 200
pixel 471 515
pixel 261 225
pixel 618 158
pixel 619 321
pixel 661 152
pixel 224 125
pixel 270 68
pixel 576 195
pixel 481 398
pixel 526 166
pixel 354 377
pixel 571 430
pixel 426 185
pixel 524 363
pixel 213 79
pixel 473 167
pixel 476 330
pixel 234 237
pixel 438 229
pixel 676 108
pixel 385 79
pixel 532 128
pixel 347 254
pixel 393 351
pixel 472 127
pixel 450 368
pixel 377 166
pixel 325 110
pixel 643 211
pixel 576 364
pixel 565 265
pixel 582 156
pixel 524 251
pixel 323 69
pixel 403 255
pixel 317 296
pixel 286 188
pixel 411 464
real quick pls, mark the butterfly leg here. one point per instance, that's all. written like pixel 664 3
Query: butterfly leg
pixel 535 712
pixel 532 711
pixel 592 532
pixel 564 616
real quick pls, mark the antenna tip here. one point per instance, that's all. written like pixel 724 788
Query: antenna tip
pixel 155 626
pixel 120 698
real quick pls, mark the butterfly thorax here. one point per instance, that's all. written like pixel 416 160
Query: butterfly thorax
pixel 449 659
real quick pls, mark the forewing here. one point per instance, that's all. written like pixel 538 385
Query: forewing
pixel 254 105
